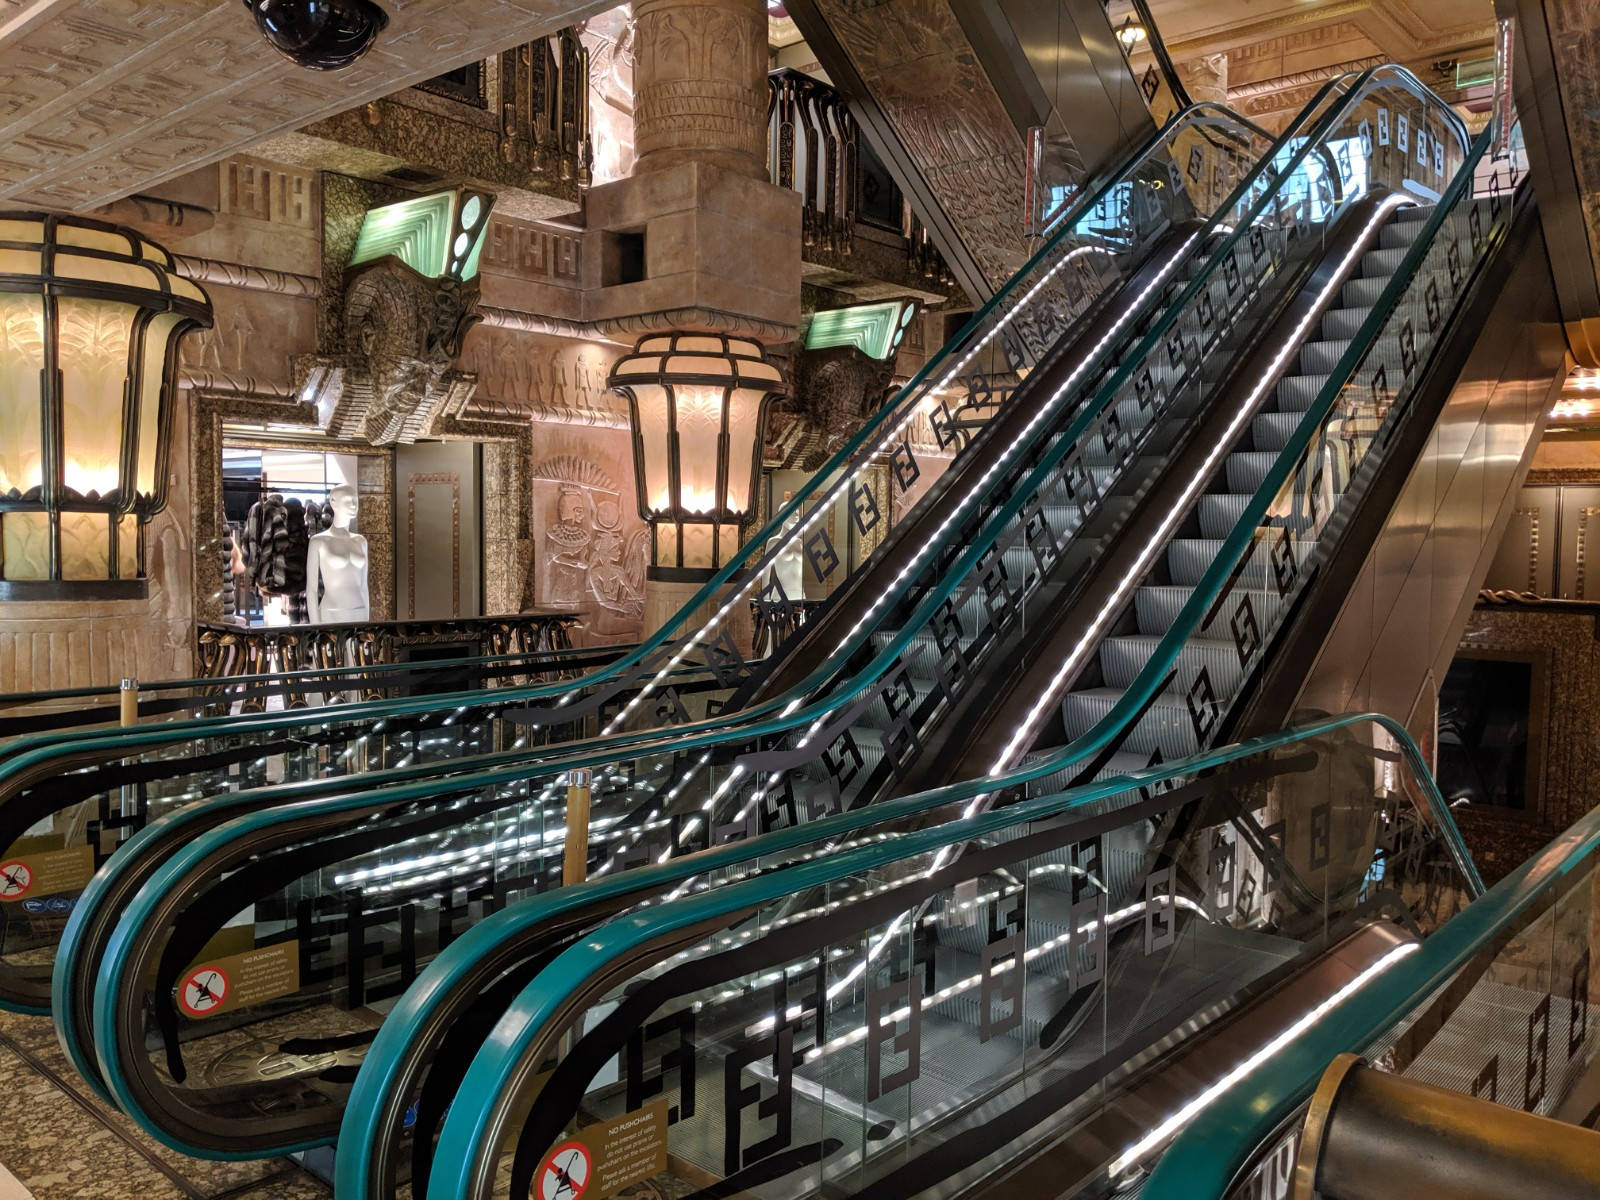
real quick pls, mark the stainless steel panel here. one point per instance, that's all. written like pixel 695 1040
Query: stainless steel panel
pixel 1578 564
pixel 1404 615
pixel 1523 563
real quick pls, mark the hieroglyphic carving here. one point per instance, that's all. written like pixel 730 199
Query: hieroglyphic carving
pixel 924 75
pixel 543 375
pixel 533 251
pixel 266 193
pixel 594 557
pixel 610 39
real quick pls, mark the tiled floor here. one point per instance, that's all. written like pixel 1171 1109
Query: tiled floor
pixel 62 1142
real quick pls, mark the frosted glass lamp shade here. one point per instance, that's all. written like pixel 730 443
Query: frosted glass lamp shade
pixel 699 406
pixel 91 317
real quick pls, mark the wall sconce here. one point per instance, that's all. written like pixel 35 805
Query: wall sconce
pixel 699 409
pixel 91 316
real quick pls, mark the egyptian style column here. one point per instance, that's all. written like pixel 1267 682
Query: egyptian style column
pixel 720 251
pixel 1206 78
pixel 700 84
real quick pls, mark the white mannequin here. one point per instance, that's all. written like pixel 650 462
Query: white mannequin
pixel 789 567
pixel 336 566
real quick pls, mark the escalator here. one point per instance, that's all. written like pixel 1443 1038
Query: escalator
pixel 344 890
pixel 1353 448
pixel 1127 234
pixel 1497 1004
pixel 369 887
pixel 1038 978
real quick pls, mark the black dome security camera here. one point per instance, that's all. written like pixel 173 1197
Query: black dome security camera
pixel 325 35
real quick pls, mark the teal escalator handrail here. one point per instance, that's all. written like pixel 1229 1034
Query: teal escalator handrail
pixel 1150 680
pixel 1213 1148
pixel 662 638
pixel 625 940
pixel 715 732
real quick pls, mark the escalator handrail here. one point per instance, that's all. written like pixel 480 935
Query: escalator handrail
pixel 625 941
pixel 1240 539
pixel 663 638
pixel 1205 1159
pixel 712 732
pixel 695 736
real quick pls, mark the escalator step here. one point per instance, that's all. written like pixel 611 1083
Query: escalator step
pixel 1359 292
pixel 1319 358
pixel 1158 607
pixel 1220 511
pixel 1271 431
pixel 1166 726
pixel 1344 322
pixel 1247 468
pixel 1188 559
pixel 1123 657
pixel 1297 392
pixel 1382 263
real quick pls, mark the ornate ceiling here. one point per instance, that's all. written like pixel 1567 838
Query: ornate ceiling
pixel 1272 54
pixel 102 98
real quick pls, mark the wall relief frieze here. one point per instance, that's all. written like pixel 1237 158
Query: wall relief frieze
pixel 396 380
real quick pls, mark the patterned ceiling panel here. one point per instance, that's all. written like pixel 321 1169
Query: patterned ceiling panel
pixel 100 98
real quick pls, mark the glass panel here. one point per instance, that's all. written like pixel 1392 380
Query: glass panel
pixel 744 406
pixel 650 408
pixel 698 413
pixel 128 532
pixel 21 360
pixel 906 1008
pixel 85 545
pixel 93 358
pixel 27 545
pixel 156 336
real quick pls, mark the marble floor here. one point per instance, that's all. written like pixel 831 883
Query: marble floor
pixel 61 1142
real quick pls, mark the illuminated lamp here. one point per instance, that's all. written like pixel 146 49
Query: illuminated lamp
pixel 91 317
pixel 698 404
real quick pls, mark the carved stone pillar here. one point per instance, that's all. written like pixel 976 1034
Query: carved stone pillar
pixel 700 84
pixel 1206 78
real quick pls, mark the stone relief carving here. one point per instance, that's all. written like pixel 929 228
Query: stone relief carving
pixel 921 68
pixel 593 558
pixel 545 376
pixel 835 390
pixel 609 38
pixel 397 380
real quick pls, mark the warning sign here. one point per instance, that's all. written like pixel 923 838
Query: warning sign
pixel 601 1160
pixel 16 879
pixel 221 985
pixel 48 873
pixel 565 1174
pixel 203 990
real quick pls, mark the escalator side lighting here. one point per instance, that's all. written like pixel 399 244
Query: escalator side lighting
pixel 1187 1112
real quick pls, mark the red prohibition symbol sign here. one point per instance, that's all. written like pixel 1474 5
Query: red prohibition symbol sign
pixel 204 988
pixel 565 1174
pixel 16 877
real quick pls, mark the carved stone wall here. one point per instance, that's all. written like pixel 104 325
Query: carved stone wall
pixel 591 549
pixel 610 39
pixel 700 84
pixel 921 69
